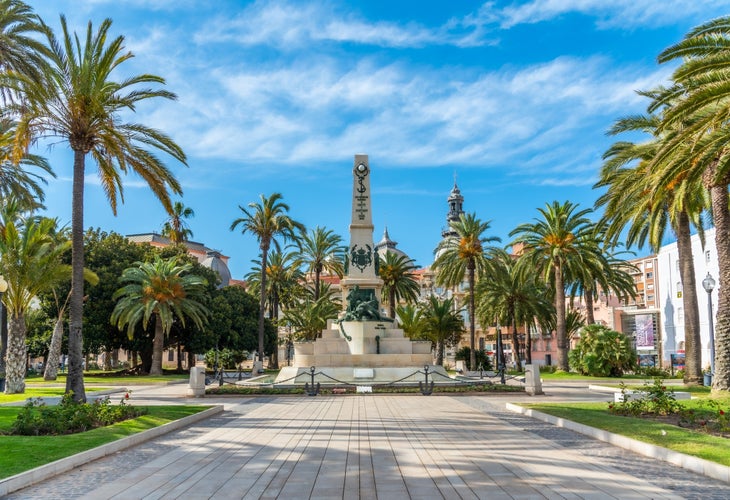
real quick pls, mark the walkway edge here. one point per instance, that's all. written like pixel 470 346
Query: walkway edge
pixel 698 465
pixel 30 477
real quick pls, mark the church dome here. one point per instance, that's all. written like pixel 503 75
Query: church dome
pixel 213 261
pixel 387 245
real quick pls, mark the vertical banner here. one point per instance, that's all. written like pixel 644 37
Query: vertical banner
pixel 644 332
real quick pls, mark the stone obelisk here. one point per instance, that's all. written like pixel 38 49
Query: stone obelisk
pixel 361 255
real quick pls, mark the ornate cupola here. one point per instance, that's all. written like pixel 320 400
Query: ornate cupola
pixel 456 203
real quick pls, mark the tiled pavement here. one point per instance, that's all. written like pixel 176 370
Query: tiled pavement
pixel 375 446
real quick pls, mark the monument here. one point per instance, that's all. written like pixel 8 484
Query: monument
pixel 361 346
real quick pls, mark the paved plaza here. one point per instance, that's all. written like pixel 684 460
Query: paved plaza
pixel 373 446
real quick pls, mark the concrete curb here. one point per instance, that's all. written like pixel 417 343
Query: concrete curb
pixel 698 465
pixel 27 478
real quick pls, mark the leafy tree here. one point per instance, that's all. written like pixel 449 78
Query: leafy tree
pixel 602 352
pixel 465 254
pixel 321 250
pixel 399 282
pixel 233 321
pixel 266 221
pixel 175 226
pixel 442 325
pixel 31 263
pixel 162 289
pixel 555 248
pixel 76 100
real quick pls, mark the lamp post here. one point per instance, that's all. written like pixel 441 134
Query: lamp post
pixel 709 284
pixel 3 332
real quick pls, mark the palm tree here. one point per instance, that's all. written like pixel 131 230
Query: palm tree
pixel 31 263
pixel 20 50
pixel 163 289
pixel 410 319
pixel 308 317
pixel 399 282
pixel 266 221
pixel 321 250
pixel 642 198
pixel 462 254
pixel 175 226
pixel 697 108
pixel 512 297
pixel 442 324
pixel 77 101
pixel 17 181
pixel 283 283
pixel 554 247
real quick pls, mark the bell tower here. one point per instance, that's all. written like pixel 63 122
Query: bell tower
pixel 456 204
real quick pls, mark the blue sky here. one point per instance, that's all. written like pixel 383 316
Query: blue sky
pixel 514 98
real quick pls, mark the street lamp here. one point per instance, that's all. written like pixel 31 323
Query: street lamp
pixel 3 330
pixel 709 284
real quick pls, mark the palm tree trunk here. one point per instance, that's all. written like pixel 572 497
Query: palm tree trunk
pixel 692 339
pixel 472 322
pixel 588 295
pixel 391 302
pixel 75 378
pixel 262 300
pixel 560 333
pixel 54 351
pixel 528 345
pixel 317 274
pixel 3 336
pixel 274 359
pixel 179 357
pixel 721 216
pixel 16 356
pixel 515 344
pixel 440 355
pixel 158 344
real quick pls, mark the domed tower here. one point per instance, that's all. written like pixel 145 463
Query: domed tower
pixel 456 203
pixel 214 261
pixel 387 245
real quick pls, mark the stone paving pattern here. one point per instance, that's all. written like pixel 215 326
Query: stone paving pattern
pixel 375 446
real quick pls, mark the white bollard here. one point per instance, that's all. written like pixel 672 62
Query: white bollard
pixel 196 388
pixel 533 384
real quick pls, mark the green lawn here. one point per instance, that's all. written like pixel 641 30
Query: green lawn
pixel 40 392
pixel 560 375
pixel 659 433
pixel 113 378
pixel 21 453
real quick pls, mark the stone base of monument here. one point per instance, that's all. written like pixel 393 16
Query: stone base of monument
pixel 361 352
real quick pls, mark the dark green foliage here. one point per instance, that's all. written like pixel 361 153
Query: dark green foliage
pixel 234 320
pixel 651 399
pixel 464 354
pixel 228 358
pixel 69 416
pixel 602 352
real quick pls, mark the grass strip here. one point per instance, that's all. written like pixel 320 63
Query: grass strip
pixel 40 392
pixel 22 453
pixel 113 379
pixel 656 432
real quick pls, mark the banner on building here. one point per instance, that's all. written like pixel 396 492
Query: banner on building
pixel 644 332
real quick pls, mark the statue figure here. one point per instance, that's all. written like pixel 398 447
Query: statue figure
pixel 361 306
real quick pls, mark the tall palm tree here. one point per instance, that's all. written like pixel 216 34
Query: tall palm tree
pixel 31 263
pixel 175 226
pixel 283 282
pixel 442 324
pixel 399 282
pixel 512 297
pixel 163 289
pixel 308 316
pixel 465 254
pixel 554 246
pixel 266 221
pixel 700 95
pixel 77 100
pixel 648 202
pixel 321 250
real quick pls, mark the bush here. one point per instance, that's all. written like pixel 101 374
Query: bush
pixel 69 416
pixel 653 371
pixel 653 399
pixel 483 361
pixel 602 352
pixel 228 358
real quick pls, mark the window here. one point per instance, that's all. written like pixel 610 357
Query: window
pixel 649 297
pixel 707 256
pixel 680 315
pixel 649 264
pixel 650 286
pixel 649 275
pixel 679 286
pixel 171 355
